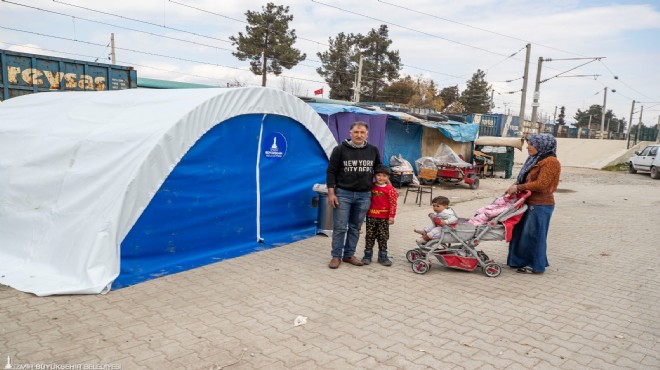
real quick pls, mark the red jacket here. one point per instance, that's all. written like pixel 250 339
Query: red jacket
pixel 383 201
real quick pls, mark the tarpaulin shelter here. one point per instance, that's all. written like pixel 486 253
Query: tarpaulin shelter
pixel 414 138
pixel 339 119
pixel 124 186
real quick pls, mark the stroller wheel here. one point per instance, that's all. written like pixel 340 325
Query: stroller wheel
pixel 413 255
pixel 420 266
pixel 492 270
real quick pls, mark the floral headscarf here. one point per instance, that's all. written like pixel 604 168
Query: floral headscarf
pixel 546 146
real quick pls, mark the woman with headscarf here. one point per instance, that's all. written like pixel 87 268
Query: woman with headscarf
pixel 540 175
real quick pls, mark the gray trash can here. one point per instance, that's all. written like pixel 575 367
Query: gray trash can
pixel 324 220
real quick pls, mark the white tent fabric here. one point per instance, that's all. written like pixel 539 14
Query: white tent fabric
pixel 78 168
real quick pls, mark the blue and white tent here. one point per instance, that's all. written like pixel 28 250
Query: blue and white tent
pixel 108 189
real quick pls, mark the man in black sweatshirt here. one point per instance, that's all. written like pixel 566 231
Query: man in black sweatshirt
pixel 349 179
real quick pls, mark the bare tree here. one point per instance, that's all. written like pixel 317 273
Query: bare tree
pixel 291 86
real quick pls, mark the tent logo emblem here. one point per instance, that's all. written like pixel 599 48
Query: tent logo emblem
pixel 275 144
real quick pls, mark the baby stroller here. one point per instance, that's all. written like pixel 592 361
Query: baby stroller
pixel 457 246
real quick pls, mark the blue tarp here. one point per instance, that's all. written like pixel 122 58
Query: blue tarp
pixel 457 131
pixel 403 138
pixel 330 109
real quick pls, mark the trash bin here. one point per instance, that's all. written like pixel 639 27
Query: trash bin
pixel 503 158
pixel 324 220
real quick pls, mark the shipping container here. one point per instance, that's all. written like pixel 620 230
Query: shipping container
pixel 24 73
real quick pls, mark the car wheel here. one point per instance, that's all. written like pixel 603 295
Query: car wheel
pixel 655 173
pixel 631 169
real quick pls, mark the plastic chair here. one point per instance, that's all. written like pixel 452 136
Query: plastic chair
pixel 487 165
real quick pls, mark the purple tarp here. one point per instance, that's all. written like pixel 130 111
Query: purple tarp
pixel 340 126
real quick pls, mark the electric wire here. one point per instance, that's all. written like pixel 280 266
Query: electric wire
pixel 235 19
pixel 474 27
pixel 557 75
pixel 117 26
pixel 139 20
pixel 149 53
pixel 409 28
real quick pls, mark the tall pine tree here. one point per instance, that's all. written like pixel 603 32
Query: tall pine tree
pixel 380 65
pixel 268 42
pixel 476 96
pixel 338 68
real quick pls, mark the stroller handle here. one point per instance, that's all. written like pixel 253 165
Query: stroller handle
pixel 522 197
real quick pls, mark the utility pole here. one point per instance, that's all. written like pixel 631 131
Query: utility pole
pixel 535 104
pixel 554 120
pixel 356 93
pixel 602 119
pixel 607 128
pixel 112 48
pixel 639 125
pixel 492 92
pixel 632 109
pixel 523 98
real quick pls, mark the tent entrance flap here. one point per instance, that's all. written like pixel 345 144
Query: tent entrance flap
pixel 205 211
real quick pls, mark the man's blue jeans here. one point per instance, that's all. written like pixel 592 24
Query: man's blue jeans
pixel 347 219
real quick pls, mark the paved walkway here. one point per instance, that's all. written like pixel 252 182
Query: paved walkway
pixel 596 307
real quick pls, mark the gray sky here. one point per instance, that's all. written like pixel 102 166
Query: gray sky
pixel 187 40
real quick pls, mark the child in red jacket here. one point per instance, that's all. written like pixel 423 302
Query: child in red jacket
pixel 380 216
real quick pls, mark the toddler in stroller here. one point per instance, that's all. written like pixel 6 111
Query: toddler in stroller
pixel 456 247
pixel 441 216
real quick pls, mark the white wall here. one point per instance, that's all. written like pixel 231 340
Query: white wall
pixel 587 153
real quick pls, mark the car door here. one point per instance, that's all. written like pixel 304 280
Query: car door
pixel 646 157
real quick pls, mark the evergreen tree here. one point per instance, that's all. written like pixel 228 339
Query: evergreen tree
pixel 582 119
pixel 562 115
pixel 399 91
pixel 476 98
pixel 379 64
pixel 338 68
pixel 268 42
pixel 595 111
pixel 449 95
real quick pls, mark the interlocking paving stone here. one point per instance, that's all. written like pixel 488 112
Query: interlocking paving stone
pixel 597 305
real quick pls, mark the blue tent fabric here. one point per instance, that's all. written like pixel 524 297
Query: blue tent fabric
pixel 405 139
pixel 457 131
pixel 207 208
pixel 330 109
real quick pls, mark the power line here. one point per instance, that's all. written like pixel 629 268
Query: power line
pixel 139 20
pixel 628 86
pixel 505 59
pixel 475 27
pixel 148 53
pixel 117 26
pixel 135 30
pixel 51 50
pixel 408 28
pixel 557 75
pixel 234 19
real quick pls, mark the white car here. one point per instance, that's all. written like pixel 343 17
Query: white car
pixel 646 160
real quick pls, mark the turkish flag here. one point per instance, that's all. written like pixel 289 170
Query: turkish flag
pixel 318 92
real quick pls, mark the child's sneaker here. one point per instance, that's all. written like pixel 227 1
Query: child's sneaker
pixel 420 242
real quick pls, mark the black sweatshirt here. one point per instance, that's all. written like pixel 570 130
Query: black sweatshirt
pixel 352 168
